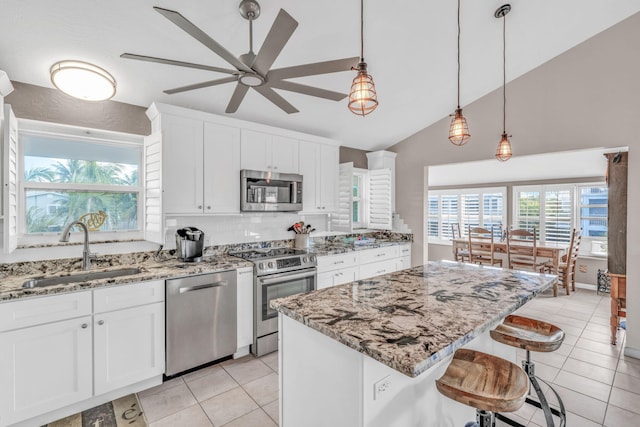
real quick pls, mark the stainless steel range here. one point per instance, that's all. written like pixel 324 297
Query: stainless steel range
pixel 277 272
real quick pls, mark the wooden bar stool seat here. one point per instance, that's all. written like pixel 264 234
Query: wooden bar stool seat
pixel 528 334
pixel 532 335
pixel 485 382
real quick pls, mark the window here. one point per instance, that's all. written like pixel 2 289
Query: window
pixel 67 173
pixel 592 217
pixel 467 207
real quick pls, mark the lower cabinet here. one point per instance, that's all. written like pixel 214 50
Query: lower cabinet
pixel 245 310
pixel 63 352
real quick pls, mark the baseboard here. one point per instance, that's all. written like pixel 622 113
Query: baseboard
pixel 586 286
pixel 632 352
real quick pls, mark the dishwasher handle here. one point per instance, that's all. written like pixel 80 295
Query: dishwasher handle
pixel 200 287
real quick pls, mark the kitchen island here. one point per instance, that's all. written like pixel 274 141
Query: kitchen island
pixel 367 353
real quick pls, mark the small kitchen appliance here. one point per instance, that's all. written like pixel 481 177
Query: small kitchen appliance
pixel 189 244
pixel 270 191
pixel 278 273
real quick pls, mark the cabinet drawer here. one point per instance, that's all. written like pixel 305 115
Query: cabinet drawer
pixel 36 311
pixel 124 296
pixel 405 250
pixel 334 262
pixel 378 254
pixel 377 269
pixel 346 275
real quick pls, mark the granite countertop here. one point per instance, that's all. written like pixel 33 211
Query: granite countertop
pixel 411 319
pixel 334 248
pixel 11 284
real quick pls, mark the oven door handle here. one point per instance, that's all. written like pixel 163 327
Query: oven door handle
pixel 278 278
pixel 199 287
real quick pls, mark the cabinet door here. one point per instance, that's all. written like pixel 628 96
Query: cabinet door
pixel 255 150
pixel 377 269
pixel 329 160
pixel 284 154
pixel 403 263
pixel 221 169
pixel 128 346
pixel 245 307
pixel 182 165
pixel 309 163
pixel 44 368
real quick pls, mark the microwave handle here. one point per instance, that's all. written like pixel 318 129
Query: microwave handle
pixel 294 191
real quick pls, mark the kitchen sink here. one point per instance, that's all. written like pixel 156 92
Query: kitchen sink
pixel 36 282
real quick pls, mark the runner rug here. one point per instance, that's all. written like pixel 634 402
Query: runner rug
pixel 123 412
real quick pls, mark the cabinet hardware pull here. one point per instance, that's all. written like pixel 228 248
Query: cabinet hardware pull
pixel 379 255
pixel 208 207
pixel 100 322
pixel 338 262
pixel 199 206
pixel 84 326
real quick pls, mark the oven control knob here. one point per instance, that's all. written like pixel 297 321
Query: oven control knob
pixel 270 265
pixel 313 258
pixel 261 266
pixel 304 259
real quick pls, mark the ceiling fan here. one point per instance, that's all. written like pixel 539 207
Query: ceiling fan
pixel 254 70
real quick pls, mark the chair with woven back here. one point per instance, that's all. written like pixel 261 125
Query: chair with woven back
pixel 481 249
pixel 522 250
pixel 459 254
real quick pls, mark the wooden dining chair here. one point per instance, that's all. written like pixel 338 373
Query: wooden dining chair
pixel 574 258
pixel 459 254
pixel 522 250
pixel 565 267
pixel 481 249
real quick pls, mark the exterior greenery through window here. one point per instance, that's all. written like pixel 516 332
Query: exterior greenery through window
pixel 68 176
pixel 467 207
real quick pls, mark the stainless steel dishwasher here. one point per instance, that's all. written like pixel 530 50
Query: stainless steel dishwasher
pixel 201 320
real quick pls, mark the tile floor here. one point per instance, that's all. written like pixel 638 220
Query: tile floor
pixel 599 385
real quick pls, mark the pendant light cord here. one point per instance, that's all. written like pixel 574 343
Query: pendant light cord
pixel 362 30
pixel 504 74
pixel 458 54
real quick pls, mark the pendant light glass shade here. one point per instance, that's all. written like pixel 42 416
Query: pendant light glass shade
pixel 503 152
pixel 362 98
pixel 83 80
pixel 458 129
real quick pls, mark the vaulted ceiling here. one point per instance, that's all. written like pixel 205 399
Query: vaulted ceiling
pixel 410 47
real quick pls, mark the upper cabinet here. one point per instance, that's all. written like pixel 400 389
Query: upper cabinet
pixel 319 168
pixel 265 152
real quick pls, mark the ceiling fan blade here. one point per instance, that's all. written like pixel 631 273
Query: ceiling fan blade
pixel 177 63
pixel 201 85
pixel 195 32
pixel 325 67
pixel 236 98
pixel 308 90
pixel 272 96
pixel 279 34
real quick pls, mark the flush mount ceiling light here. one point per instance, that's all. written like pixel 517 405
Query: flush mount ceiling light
pixel 459 130
pixel 503 152
pixel 362 98
pixel 83 80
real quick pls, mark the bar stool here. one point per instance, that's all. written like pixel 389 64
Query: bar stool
pixel 485 382
pixel 532 335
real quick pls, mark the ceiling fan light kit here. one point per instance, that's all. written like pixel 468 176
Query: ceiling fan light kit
pixel 83 80
pixel 253 70
pixel 459 129
pixel 503 152
pixel 363 98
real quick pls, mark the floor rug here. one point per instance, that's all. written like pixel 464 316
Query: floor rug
pixel 123 412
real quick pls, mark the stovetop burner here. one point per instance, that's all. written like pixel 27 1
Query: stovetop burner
pixel 258 254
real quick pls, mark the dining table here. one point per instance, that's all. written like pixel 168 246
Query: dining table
pixel 551 250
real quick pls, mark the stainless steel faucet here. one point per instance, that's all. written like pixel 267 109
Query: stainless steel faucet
pixel 87 256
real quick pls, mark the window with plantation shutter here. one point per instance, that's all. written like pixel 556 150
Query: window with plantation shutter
pixel 470 215
pixel 547 208
pixel 558 209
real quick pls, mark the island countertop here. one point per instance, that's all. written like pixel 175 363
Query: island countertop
pixel 411 319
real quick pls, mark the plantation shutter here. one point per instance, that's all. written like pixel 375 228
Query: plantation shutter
pixel 10 181
pixel 341 219
pixel 380 193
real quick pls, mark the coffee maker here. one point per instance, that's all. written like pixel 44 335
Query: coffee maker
pixel 189 244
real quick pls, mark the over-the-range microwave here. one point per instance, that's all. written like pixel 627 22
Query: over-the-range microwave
pixel 270 191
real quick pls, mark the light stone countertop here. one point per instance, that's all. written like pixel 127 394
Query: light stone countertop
pixel 411 319
pixel 11 284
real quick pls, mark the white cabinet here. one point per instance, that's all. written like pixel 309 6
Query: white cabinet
pixel 55 352
pixel 129 341
pixel 245 310
pixel 337 277
pixel 200 166
pixel 265 152
pixel 319 167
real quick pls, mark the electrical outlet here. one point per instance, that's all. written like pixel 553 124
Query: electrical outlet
pixel 381 387
pixel 582 268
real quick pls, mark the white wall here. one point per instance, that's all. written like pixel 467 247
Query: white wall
pixel 584 98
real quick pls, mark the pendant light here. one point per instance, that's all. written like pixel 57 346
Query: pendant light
pixel 503 152
pixel 459 130
pixel 362 98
